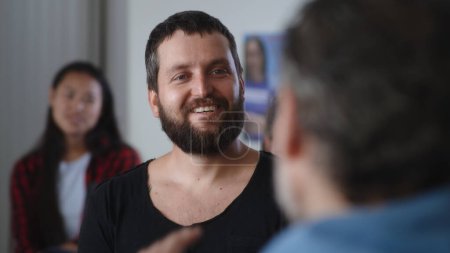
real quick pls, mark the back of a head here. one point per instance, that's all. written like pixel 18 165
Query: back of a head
pixel 372 79
pixel 190 22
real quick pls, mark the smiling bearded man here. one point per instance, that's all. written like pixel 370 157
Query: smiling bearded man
pixel 210 179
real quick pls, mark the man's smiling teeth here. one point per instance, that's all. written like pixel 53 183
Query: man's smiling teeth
pixel 205 109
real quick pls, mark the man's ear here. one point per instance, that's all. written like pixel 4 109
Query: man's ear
pixel 153 101
pixel 241 86
pixel 287 130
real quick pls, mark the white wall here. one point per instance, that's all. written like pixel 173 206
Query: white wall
pixel 239 16
pixel 115 54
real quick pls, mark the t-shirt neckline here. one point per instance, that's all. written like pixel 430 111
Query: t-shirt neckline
pixel 229 208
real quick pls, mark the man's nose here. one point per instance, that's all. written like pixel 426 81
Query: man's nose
pixel 202 87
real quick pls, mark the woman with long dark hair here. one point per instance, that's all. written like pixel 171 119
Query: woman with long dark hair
pixel 81 146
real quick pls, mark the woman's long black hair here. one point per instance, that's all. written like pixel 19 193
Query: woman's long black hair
pixel 103 137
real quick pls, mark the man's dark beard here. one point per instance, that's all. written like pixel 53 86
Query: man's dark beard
pixel 193 141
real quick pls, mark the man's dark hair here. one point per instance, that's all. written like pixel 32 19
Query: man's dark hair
pixel 372 81
pixel 190 22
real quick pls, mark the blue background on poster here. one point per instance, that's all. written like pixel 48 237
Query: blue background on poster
pixel 259 94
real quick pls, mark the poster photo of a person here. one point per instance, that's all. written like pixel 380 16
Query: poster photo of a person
pixel 261 72
pixel 255 62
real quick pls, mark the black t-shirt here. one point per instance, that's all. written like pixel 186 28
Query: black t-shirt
pixel 120 216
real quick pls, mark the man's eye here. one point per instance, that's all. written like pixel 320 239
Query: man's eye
pixel 219 72
pixel 180 77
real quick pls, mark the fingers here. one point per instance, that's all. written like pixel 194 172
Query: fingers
pixel 175 242
pixel 69 246
pixel 180 240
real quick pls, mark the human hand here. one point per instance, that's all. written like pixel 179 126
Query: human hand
pixel 175 242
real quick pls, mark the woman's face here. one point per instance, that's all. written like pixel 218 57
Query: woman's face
pixel 76 104
pixel 254 58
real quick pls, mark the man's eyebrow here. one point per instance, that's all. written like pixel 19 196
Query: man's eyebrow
pixel 219 61
pixel 181 66
pixel 177 67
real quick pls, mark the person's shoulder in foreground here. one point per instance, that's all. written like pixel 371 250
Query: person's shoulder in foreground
pixel 422 220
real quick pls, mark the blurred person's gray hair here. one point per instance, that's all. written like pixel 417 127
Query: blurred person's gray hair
pixel 372 81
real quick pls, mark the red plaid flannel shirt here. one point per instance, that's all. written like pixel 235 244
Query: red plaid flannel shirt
pixel 24 181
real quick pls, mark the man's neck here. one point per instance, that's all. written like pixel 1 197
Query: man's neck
pixel 210 168
pixel 189 189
